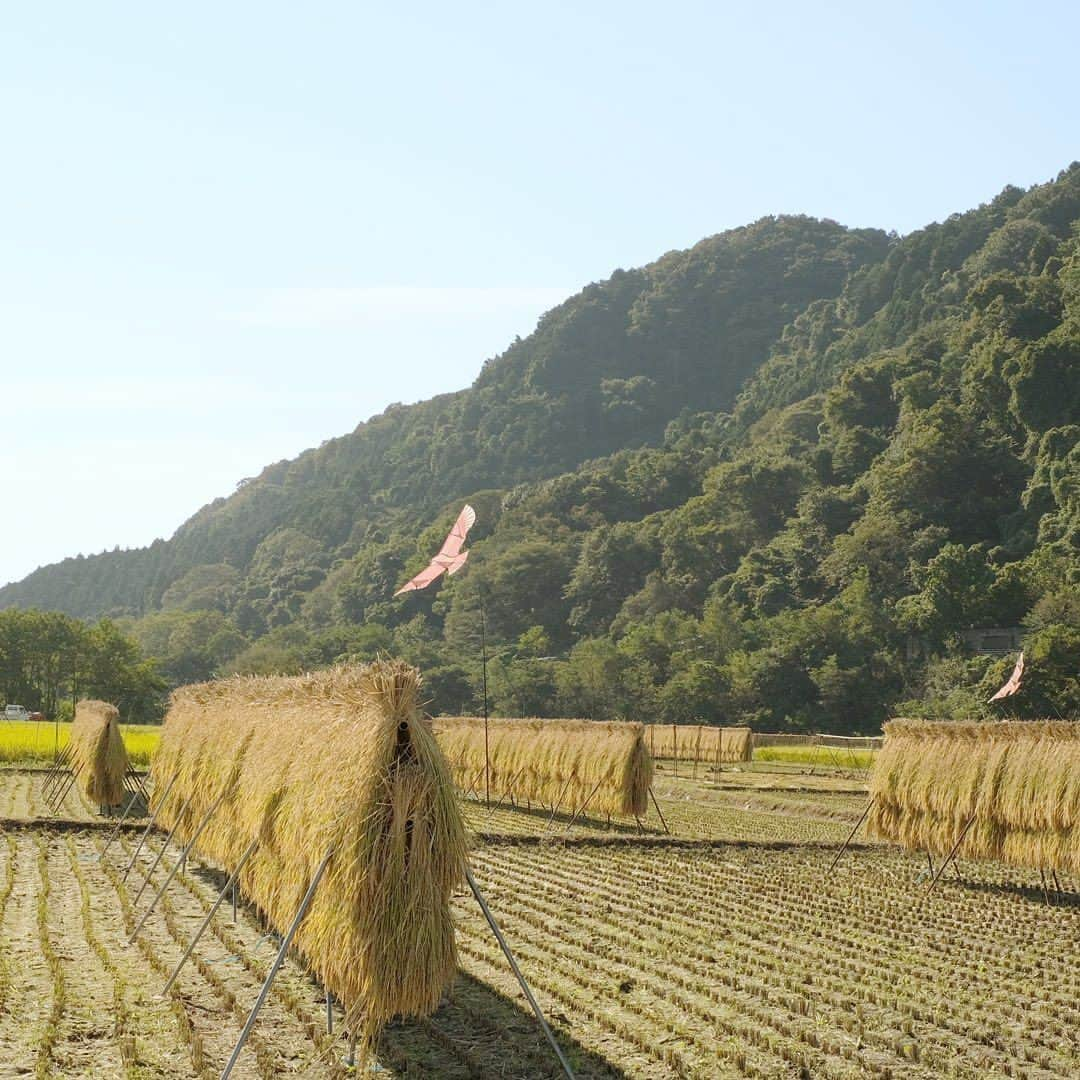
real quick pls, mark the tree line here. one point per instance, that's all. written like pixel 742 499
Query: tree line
pixel 48 661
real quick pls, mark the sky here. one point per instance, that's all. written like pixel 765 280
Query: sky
pixel 229 232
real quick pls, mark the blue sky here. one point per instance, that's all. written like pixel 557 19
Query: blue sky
pixel 230 232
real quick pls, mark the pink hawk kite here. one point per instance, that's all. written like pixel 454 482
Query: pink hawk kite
pixel 450 558
pixel 1013 683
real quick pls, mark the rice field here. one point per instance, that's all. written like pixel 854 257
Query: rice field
pixel 32 741
pixel 725 949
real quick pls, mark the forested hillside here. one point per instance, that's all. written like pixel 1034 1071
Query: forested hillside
pixel 770 479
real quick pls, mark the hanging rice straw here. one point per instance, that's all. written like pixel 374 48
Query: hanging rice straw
pixel 344 760
pixel 98 756
pixel 559 762
pixel 734 744
pixel 1019 780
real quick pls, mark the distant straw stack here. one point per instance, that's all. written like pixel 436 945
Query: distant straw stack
pixel 706 743
pixel 1020 780
pixel 594 766
pixel 341 759
pixel 98 756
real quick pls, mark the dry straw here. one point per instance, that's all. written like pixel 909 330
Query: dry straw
pixel 563 763
pixel 1020 781
pixel 340 759
pixel 98 756
pixel 700 742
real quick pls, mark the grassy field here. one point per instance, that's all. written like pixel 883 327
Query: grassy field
pixel 839 757
pixel 28 741
pixel 728 950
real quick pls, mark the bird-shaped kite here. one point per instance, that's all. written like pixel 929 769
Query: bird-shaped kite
pixel 450 558
pixel 1013 683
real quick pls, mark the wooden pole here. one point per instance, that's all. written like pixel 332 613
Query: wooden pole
pixel 659 811
pixel 508 790
pixel 487 750
pixel 851 835
pixel 952 854
pixel 555 808
pixel 581 809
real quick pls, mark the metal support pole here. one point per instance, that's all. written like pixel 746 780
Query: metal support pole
pixel 177 865
pixel 161 851
pixel 149 826
pixel 487 751
pixel 209 915
pixel 116 828
pixel 508 790
pixel 61 777
pixel 329 1012
pixel 58 801
pixel 286 941
pixel 585 804
pixel 137 781
pixel 555 808
pixel 949 858
pixel 55 769
pixel 851 835
pixel 517 973
pixel 659 811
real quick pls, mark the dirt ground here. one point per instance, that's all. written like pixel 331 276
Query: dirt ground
pixel 726 949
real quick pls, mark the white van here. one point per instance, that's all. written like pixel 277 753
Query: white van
pixel 16 712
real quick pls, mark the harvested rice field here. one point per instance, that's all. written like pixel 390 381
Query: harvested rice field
pixel 726 949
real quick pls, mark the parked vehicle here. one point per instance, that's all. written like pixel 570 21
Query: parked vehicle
pixel 16 712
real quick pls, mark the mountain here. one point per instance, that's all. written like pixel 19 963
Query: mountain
pixel 608 368
pixel 778 478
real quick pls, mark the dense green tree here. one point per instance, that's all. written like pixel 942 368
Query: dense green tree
pixel 771 479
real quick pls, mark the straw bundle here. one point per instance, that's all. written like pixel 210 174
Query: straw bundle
pixel 98 756
pixel 341 759
pixel 700 742
pixel 565 763
pixel 1020 780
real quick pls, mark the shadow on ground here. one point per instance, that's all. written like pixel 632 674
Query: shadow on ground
pixel 480 1033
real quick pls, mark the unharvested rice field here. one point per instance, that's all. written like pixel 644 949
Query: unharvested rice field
pixel 724 949
pixel 29 740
